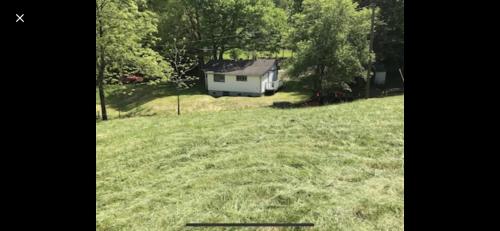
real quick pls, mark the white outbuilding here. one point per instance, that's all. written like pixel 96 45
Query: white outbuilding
pixel 380 74
pixel 242 77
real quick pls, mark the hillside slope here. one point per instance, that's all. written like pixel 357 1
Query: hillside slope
pixel 338 166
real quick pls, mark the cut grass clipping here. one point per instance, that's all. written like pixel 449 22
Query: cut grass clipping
pixel 339 167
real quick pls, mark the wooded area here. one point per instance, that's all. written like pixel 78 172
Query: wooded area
pixel 170 40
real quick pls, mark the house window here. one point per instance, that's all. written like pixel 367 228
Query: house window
pixel 219 78
pixel 241 78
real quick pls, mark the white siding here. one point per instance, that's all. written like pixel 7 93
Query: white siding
pixel 230 84
pixel 380 78
pixel 265 80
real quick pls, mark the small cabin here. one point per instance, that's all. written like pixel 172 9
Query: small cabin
pixel 242 77
pixel 380 74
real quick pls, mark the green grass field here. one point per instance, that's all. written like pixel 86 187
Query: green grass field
pixel 162 100
pixel 338 166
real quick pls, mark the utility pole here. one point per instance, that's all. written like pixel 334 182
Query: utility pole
pixel 368 69
pixel 178 105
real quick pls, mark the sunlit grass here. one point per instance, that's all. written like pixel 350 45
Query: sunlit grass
pixel 162 100
pixel 338 166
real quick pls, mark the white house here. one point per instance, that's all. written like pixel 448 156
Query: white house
pixel 244 77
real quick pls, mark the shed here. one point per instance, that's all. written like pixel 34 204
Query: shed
pixel 242 77
pixel 380 74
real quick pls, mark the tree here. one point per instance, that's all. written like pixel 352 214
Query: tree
pixel 216 26
pixel 297 7
pixel 389 36
pixel 182 64
pixel 124 37
pixel 268 25
pixel 332 40
pixel 223 24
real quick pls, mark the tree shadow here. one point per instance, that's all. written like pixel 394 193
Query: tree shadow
pixel 312 102
pixel 131 96
pixel 294 86
pixel 331 100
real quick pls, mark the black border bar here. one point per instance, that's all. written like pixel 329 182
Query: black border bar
pixel 250 224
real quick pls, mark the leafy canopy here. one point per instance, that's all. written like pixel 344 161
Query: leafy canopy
pixel 125 36
pixel 332 40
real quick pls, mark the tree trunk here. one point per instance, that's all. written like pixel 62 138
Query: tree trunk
pixel 100 77
pixel 178 104
pixel 320 84
pixel 370 48
pixel 214 52
pixel 201 74
pixel 221 53
pixel 320 78
pixel 194 19
pixel 101 91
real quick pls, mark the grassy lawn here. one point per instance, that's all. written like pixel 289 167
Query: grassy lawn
pixel 162 100
pixel 338 166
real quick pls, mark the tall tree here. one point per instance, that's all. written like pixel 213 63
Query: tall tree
pixel 332 43
pixel 268 27
pixel 125 36
pixel 216 26
pixel 389 35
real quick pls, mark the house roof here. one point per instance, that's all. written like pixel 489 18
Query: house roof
pixel 241 67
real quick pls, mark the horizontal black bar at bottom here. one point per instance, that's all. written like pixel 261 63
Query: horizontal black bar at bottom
pixel 251 224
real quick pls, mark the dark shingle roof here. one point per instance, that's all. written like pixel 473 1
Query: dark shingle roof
pixel 242 67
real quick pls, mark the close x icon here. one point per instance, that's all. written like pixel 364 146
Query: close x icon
pixel 19 18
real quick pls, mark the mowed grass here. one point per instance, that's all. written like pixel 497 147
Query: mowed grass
pixel 338 166
pixel 145 100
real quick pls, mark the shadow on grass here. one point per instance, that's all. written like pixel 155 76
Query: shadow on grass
pixel 131 97
pixel 315 102
pixel 136 112
pixel 294 86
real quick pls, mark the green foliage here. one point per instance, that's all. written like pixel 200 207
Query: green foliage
pixel 389 32
pixel 125 36
pixel 332 41
pixel 216 26
pixel 235 54
pixel 181 64
pixel 268 27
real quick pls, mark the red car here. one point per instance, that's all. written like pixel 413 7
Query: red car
pixel 132 79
